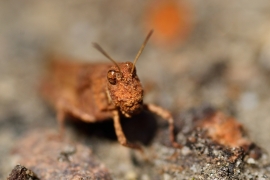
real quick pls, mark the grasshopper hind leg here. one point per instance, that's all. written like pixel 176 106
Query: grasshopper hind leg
pixel 64 108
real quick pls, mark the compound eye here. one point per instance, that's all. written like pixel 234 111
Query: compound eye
pixel 111 76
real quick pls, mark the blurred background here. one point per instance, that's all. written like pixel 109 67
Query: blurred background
pixel 201 52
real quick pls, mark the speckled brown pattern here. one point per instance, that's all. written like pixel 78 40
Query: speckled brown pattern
pixel 52 159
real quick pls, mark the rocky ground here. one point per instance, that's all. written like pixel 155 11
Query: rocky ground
pixel 210 69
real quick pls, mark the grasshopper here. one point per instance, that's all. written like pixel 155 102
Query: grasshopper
pixel 94 92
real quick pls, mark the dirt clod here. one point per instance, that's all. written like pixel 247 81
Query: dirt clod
pixel 22 173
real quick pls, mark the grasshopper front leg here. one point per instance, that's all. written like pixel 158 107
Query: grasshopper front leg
pixel 167 116
pixel 120 134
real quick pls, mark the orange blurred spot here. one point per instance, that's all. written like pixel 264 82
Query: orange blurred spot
pixel 225 130
pixel 171 21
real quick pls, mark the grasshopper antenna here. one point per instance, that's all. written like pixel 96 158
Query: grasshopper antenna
pixel 141 49
pixel 97 46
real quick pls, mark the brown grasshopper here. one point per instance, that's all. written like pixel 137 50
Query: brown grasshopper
pixel 97 92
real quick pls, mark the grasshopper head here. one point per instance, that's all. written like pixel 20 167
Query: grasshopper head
pixel 125 89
